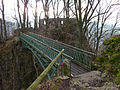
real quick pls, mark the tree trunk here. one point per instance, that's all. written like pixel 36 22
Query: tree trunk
pixel 24 17
pixel 3 17
pixel 27 19
pixel 1 31
pixel 47 24
pixel 35 20
pixel 39 21
pixel 18 6
pixel 67 21
pixel 1 86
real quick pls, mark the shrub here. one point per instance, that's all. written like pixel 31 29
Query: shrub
pixel 110 58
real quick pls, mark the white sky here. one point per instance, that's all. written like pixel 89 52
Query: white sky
pixel 11 4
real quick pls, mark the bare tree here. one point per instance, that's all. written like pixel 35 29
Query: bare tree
pixel 99 29
pixel 1 34
pixel 3 17
pixel 53 6
pixel 25 2
pixel 40 19
pixel 27 19
pixel 16 19
pixel 46 4
pixel 23 22
pixel 96 31
pixel 19 14
pixel 35 16
pixel 115 24
pixel 66 6
pixel 84 12
pixel 56 13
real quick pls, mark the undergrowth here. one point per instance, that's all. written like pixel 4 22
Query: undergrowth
pixel 109 61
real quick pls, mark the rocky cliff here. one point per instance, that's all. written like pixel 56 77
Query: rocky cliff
pixel 16 66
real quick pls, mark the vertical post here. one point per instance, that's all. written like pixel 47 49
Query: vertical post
pixel 58 67
pixel 62 69
pixel 70 67
pixel 91 63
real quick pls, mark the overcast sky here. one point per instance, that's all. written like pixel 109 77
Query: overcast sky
pixel 10 5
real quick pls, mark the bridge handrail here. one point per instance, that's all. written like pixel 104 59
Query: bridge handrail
pixel 81 50
pixel 65 55
pixel 82 58
pixel 48 58
pixel 33 46
pixel 34 85
pixel 39 51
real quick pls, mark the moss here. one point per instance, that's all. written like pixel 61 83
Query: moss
pixel 106 42
pixel 115 57
pixel 109 51
pixel 66 71
pixel 118 74
pixel 66 67
pixel 100 69
pixel 101 59
pixel 98 59
pixel 112 40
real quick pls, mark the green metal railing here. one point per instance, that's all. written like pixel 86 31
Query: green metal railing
pixel 47 50
pixel 49 53
pixel 39 51
pixel 79 56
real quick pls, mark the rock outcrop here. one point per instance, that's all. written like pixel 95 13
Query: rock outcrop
pixel 92 81
pixel 89 81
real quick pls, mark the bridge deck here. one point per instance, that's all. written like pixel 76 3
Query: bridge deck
pixel 77 69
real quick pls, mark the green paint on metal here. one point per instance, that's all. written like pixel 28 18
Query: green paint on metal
pixel 45 50
pixel 78 55
pixel 44 73
pixel 48 49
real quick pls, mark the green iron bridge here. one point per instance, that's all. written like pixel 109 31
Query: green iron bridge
pixel 46 49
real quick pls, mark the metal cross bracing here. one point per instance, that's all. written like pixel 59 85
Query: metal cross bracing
pixel 49 48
